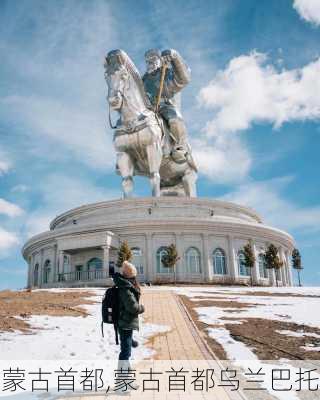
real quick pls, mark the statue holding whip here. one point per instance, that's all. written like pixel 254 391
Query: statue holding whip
pixel 150 136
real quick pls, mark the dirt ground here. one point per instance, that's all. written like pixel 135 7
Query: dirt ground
pixel 215 346
pixel 17 306
pixel 261 294
pixel 260 335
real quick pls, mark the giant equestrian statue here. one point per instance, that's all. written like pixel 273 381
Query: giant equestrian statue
pixel 150 136
pixel 150 139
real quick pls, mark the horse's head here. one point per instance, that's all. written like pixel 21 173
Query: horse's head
pixel 117 77
pixel 124 81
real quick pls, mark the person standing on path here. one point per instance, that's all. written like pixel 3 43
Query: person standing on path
pixel 129 310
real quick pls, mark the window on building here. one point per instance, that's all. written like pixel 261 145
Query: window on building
pixel 79 273
pixel 95 263
pixel 36 275
pixel 65 263
pixel 263 272
pixel 137 259
pixel 46 271
pixel 95 268
pixel 192 261
pixel 161 269
pixel 243 270
pixel 219 262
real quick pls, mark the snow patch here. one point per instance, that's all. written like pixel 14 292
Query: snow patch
pixel 68 337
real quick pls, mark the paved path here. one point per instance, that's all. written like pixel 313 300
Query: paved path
pixel 181 342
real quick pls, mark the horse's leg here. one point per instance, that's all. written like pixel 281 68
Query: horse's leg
pixel 154 154
pixel 126 167
pixel 189 183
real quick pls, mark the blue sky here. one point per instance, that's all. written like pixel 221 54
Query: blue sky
pixel 252 109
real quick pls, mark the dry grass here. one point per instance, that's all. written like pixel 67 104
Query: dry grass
pixel 17 306
pixel 260 335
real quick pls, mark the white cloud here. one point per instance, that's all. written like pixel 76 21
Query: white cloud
pixel 5 163
pixel 75 129
pixel 7 240
pixel 4 167
pixel 21 188
pixel 222 161
pixel 38 222
pixel 250 90
pixel 63 63
pixel 267 199
pixel 10 209
pixel 67 110
pixel 308 10
pixel 60 193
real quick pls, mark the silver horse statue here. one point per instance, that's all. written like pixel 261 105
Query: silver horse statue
pixel 141 139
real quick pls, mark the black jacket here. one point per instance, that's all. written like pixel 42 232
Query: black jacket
pixel 129 307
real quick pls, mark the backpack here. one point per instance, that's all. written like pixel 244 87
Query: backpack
pixel 110 309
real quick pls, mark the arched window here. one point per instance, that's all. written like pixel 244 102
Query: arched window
pixel 137 259
pixel 161 269
pixel 46 271
pixel 243 270
pixel 219 262
pixel 36 275
pixel 262 266
pixel 192 261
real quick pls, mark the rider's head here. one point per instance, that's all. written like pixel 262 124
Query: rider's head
pixel 153 59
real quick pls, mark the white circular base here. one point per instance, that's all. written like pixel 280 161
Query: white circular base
pixel 81 247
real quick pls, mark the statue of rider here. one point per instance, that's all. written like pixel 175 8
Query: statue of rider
pixel 177 76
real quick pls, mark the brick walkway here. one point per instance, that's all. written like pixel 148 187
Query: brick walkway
pixel 181 342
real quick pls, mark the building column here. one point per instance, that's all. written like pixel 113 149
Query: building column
pixel 272 276
pixel 233 270
pixel 290 277
pixel 68 269
pixel 106 256
pixel 30 271
pixel 255 271
pixel 60 261
pixel 288 267
pixel 283 275
pixel 286 274
pixel 283 268
pixel 149 257
pixel 55 266
pixel 179 265
pixel 41 274
pixel 206 273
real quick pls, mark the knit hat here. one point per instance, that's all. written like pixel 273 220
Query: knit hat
pixel 128 270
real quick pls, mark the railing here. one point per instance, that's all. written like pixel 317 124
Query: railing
pixel 82 275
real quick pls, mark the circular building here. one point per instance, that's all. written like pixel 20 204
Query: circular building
pixel 80 249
